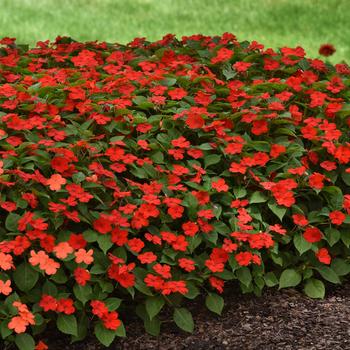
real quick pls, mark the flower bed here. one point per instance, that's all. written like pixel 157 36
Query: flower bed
pixel 135 176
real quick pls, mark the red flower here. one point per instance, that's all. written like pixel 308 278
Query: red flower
pixel 219 185
pixel 190 228
pixel 99 308
pixel 316 181
pixel 48 303
pixel 81 276
pixel 110 320
pixel 65 306
pixel 41 346
pixel 187 264
pixel 217 283
pixel 276 150
pixel 136 244
pixel 102 224
pixel 326 50
pixel 181 142
pixel 122 275
pixel 300 219
pixel 337 217
pixel 241 66
pixel 312 234
pixel 177 93
pixel 156 282
pixel 174 287
pixel 194 121
pixel 147 258
pixel 85 58
pixel 77 241
pixel 222 55
pixel 323 256
pixel 214 266
pixel 176 211
pixel 202 98
pixel 259 127
pixel 55 182
pixel 163 270
pixel 244 258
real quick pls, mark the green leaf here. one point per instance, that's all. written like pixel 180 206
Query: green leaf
pixel 301 244
pixel 157 157
pixel 277 210
pixel 24 341
pixel 340 266
pixel 4 330
pixel 239 192
pixel 193 291
pixel 334 197
pixel 120 332
pixel 183 319
pixel 152 326
pixel 190 201
pixel 113 303
pixel 11 222
pixel 78 177
pixel 289 278
pixel 154 305
pixel 262 146
pixel 270 279
pixel 214 303
pixel 328 274
pixel 346 177
pixel 211 159
pixel 90 235
pixel 83 293
pixel 345 237
pixel 314 288
pixel 332 235
pixel 143 103
pixel 228 72
pixel 25 277
pixel 50 288
pixel 67 324
pixel 83 323
pixel 104 335
pixel 257 197
pixel 104 242
pixel 244 275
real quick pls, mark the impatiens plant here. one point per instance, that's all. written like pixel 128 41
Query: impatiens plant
pixel 134 177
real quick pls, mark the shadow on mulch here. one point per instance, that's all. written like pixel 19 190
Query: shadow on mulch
pixel 283 320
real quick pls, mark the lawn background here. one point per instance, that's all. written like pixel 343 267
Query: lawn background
pixel 275 23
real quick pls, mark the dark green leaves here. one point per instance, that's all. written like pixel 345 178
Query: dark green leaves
pixel 24 341
pixel 289 278
pixel 67 324
pixel 211 159
pixel 334 197
pixel 314 288
pixel 105 336
pixel 154 305
pixel 25 277
pixel 278 210
pixel 214 303
pixel 328 274
pixel 183 319
pixel 11 222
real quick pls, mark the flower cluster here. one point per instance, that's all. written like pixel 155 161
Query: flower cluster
pixel 134 176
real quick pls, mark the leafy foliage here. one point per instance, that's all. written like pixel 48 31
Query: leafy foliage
pixel 133 177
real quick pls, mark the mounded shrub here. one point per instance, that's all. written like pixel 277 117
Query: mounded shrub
pixel 136 176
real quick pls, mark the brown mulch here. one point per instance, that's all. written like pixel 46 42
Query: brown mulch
pixel 284 319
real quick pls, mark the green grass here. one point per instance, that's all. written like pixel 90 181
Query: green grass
pixel 274 23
